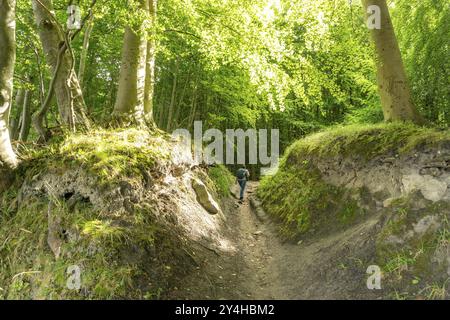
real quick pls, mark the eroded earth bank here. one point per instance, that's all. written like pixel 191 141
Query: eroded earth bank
pixel 131 217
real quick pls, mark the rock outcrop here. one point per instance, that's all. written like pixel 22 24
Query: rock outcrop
pixel 204 197
pixel 394 175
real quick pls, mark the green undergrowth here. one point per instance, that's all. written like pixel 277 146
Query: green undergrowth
pixel 108 155
pixel 222 179
pixel 298 197
pixel 303 203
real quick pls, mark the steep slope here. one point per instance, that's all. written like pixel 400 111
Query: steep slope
pixel 110 215
pixel 361 196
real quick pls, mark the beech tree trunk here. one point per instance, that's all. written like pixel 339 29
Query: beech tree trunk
pixel 162 113
pixel 132 79
pixel 7 60
pixel 393 86
pixel 67 89
pixel 175 122
pixel 193 105
pixel 134 101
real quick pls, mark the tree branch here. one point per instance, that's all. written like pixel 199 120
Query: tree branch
pixel 183 32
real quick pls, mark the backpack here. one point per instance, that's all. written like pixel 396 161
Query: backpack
pixel 242 174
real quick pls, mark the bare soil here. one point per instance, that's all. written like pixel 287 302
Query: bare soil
pixel 263 266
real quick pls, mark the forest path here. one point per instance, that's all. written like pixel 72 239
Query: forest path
pixel 265 267
pixel 258 246
pixel 262 266
pixel 250 269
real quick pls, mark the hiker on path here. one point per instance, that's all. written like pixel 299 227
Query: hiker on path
pixel 242 176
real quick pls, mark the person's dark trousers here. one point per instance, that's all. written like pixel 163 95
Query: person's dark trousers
pixel 242 184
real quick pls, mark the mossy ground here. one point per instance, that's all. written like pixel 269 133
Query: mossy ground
pixel 108 155
pixel 29 268
pixel 304 203
pixel 121 255
pixel 366 141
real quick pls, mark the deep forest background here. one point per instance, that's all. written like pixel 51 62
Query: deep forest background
pixel 296 66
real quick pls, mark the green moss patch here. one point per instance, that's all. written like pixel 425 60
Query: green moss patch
pixel 119 257
pixel 304 203
pixel 366 141
pixel 222 179
pixel 106 154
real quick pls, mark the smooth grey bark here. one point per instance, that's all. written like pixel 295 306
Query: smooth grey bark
pixel 134 101
pixel 175 122
pixel 172 98
pixel 7 60
pixel 193 106
pixel 66 86
pixel 393 86
pixel 131 91
pixel 161 114
pixel 40 75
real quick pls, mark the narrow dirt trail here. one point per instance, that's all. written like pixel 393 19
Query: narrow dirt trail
pixel 259 247
pixel 263 267
pixel 248 271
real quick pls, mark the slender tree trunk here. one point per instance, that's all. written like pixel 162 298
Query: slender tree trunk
pixel 150 65
pixel 162 113
pixel 392 82
pixel 40 75
pixel 7 60
pixel 132 79
pixel 193 106
pixel 85 49
pixel 179 106
pixel 14 126
pixel 66 86
pixel 172 98
pixel 26 117
pixel 158 96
